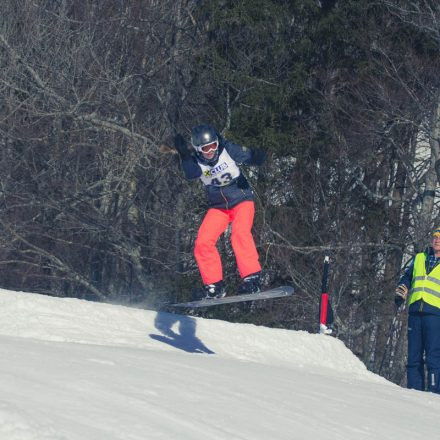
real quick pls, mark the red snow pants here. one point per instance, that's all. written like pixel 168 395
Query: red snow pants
pixel 214 224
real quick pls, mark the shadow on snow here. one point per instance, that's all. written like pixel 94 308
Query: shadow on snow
pixel 185 339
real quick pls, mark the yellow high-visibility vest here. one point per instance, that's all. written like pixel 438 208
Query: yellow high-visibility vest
pixel 424 286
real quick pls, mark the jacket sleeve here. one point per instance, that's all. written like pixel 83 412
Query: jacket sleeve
pixel 408 275
pixel 191 168
pixel 243 155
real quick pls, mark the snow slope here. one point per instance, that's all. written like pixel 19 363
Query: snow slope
pixel 72 369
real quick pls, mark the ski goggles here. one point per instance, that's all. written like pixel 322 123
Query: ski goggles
pixel 207 148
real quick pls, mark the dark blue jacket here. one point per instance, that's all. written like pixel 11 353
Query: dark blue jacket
pixel 421 306
pixel 235 191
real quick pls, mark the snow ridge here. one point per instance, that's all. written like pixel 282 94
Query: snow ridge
pixel 78 370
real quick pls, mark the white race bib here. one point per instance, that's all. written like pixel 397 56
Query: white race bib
pixel 222 172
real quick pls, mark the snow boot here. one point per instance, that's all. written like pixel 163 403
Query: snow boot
pixel 250 284
pixel 214 290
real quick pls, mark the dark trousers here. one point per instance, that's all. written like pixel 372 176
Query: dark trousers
pixel 423 348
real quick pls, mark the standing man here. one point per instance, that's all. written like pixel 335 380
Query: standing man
pixel 422 280
pixel 216 162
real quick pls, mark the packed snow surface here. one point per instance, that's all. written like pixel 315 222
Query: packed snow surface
pixel 72 369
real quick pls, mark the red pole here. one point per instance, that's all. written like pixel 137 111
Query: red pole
pixel 325 312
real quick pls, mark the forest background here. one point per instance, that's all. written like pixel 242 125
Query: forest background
pixel 343 96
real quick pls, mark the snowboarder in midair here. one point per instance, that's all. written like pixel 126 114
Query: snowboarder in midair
pixel 216 162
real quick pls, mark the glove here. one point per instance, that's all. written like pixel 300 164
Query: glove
pixel 401 294
pixel 181 146
pixel 242 183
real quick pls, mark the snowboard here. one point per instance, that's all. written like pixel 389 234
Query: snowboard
pixel 276 292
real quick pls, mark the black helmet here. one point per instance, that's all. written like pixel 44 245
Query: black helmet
pixel 204 138
pixel 202 135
